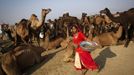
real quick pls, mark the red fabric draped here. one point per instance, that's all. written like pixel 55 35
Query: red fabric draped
pixel 85 57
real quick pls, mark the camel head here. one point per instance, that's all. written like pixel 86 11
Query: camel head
pixel 45 11
pixel 105 11
pixel 84 14
pixel 66 14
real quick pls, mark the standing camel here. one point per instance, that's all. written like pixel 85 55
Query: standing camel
pixel 37 24
pixel 126 19
pixel 22 30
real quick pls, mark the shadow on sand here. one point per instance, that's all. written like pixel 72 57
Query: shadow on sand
pixel 46 58
pixel 102 57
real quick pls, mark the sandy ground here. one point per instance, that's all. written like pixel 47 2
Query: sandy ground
pixel 113 60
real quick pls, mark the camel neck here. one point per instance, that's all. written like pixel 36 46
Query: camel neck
pixel 43 19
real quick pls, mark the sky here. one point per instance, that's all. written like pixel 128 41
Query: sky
pixel 12 11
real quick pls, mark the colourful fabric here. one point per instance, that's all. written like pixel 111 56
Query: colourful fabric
pixel 82 58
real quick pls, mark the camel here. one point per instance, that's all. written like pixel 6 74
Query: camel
pixel 100 22
pixel 59 27
pixel 5 30
pixel 126 19
pixel 37 24
pixel 108 38
pixel 50 44
pixel 30 53
pixel 86 24
pixel 22 30
pixel 20 58
pixel 69 19
pixel 10 31
pixel 63 22
pixel 53 28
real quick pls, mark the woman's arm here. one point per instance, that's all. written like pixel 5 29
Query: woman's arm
pixel 75 45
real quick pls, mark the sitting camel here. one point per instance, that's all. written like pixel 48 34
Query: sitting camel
pixel 53 44
pixel 20 58
pixel 108 38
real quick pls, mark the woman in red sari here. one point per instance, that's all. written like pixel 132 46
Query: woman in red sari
pixel 83 59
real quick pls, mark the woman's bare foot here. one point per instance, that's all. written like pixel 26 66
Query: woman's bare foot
pixel 84 71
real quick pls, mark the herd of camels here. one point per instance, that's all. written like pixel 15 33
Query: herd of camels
pixel 105 28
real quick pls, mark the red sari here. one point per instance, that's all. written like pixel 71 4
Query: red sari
pixel 83 58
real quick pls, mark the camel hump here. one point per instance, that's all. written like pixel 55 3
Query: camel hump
pixel 23 21
pixel 131 11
